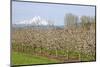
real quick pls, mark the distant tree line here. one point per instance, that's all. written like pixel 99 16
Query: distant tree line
pixel 71 20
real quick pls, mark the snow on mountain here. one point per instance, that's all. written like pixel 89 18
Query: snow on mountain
pixel 37 20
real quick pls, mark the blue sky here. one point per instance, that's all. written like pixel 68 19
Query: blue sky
pixel 54 12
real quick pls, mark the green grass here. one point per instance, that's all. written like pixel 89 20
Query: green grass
pixel 23 59
pixel 85 57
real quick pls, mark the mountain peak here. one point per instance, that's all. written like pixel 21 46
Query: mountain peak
pixel 36 20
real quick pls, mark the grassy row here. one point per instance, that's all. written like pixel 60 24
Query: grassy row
pixel 23 59
pixel 73 55
pixel 19 58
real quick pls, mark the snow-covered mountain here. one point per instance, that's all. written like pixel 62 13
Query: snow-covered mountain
pixel 37 23
pixel 37 20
